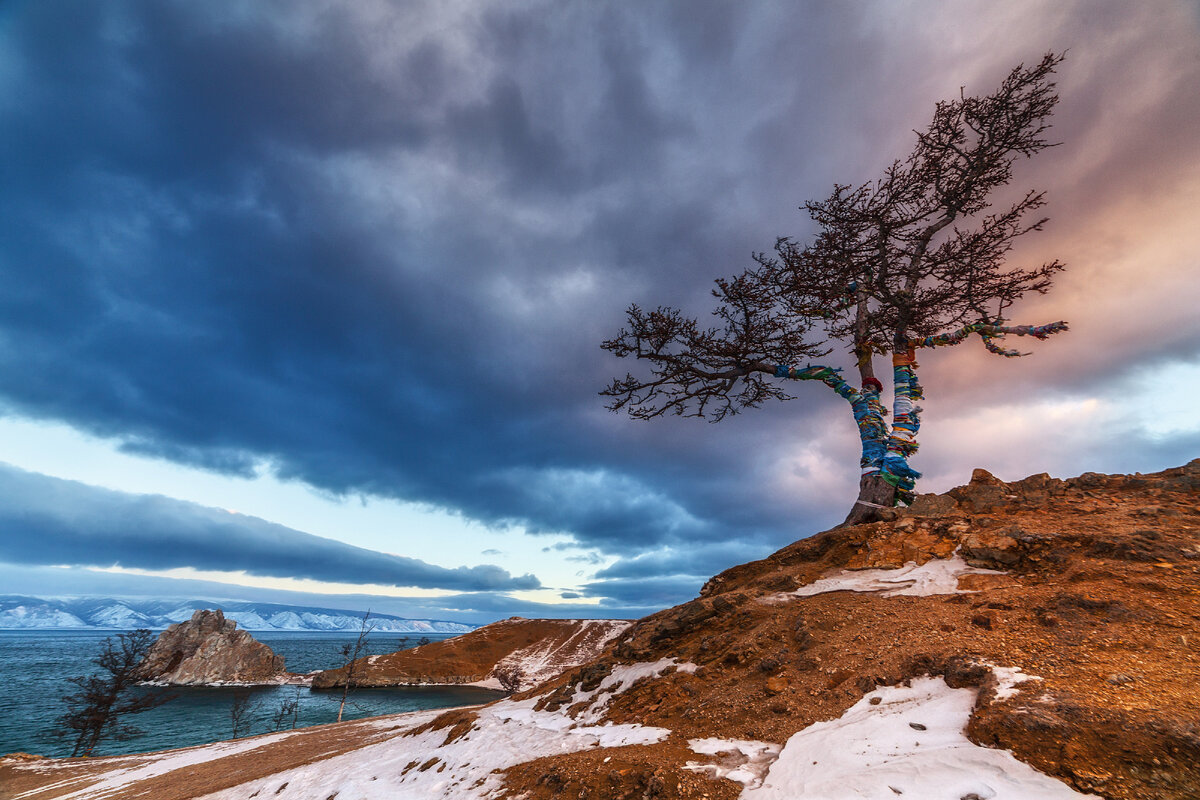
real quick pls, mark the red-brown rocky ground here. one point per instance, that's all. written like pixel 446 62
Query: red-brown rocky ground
pixel 1100 598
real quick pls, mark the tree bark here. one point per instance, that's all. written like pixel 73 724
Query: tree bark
pixel 871 489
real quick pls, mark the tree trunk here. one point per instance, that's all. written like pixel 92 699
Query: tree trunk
pixel 875 490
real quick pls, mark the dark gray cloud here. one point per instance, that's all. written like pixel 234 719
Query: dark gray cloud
pixel 374 249
pixel 682 561
pixel 667 576
pixel 651 593
pixel 48 521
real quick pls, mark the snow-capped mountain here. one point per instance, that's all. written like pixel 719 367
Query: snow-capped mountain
pixel 21 612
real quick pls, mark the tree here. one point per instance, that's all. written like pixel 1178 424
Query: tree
pixel 96 711
pixel 510 678
pixel 237 713
pixel 288 713
pixel 916 259
pixel 351 653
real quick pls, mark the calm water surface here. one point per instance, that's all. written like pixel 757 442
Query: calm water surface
pixel 37 664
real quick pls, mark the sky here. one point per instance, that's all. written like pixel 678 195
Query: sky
pixel 302 302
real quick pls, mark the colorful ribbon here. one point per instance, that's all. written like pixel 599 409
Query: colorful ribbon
pixel 887 454
pixel 902 443
pixel 988 332
pixel 867 407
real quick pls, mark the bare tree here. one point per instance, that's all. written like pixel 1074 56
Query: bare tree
pixel 288 712
pixel 915 259
pixel 511 678
pixel 237 713
pixel 105 698
pixel 351 653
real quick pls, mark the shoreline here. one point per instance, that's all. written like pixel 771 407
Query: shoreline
pixel 306 679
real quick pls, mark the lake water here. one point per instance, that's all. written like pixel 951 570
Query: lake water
pixel 36 666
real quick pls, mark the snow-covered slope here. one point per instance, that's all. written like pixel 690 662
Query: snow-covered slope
pixel 896 741
pixel 545 659
pixel 38 615
pixel 22 613
pixel 524 652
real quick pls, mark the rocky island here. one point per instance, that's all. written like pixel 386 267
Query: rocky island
pixel 209 649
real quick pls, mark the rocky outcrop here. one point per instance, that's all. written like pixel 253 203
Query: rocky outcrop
pixel 209 649
pixel 512 653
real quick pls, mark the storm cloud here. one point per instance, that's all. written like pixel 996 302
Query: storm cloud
pixel 374 248
pixel 48 521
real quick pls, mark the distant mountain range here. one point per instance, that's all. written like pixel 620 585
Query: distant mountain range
pixel 107 613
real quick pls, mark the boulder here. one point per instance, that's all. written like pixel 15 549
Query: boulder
pixel 933 505
pixel 992 550
pixel 209 649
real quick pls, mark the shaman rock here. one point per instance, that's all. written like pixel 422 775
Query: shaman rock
pixel 210 649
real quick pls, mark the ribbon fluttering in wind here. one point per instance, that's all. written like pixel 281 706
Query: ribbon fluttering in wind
pixel 868 411
pixel 988 332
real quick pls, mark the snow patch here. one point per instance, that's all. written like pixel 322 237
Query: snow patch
pixel 1008 678
pixel 936 576
pixel 425 766
pixel 145 767
pixel 740 760
pixel 621 678
pixel 878 751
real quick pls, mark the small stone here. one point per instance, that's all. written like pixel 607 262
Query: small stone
pixel 767 665
pixel 916 726
pixel 776 684
pixel 983 621
pixel 1119 679
pixel 875 701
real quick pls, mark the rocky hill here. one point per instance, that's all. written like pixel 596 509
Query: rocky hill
pixel 523 652
pixel 209 649
pixel 1034 639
